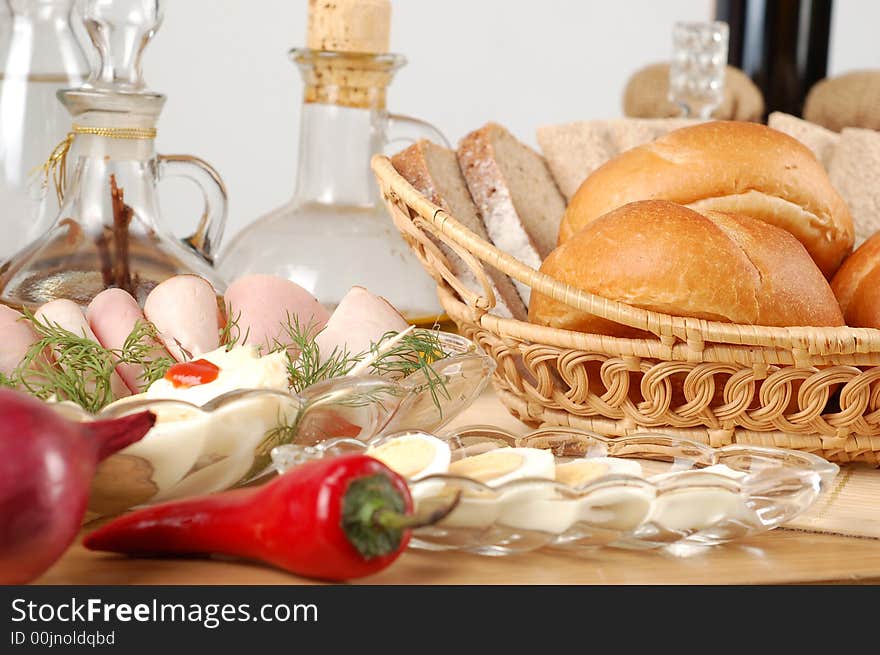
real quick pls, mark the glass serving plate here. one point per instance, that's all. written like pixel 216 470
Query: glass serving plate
pixel 689 494
pixel 227 442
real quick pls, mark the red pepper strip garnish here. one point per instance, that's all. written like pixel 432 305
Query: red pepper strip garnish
pixel 192 374
pixel 333 519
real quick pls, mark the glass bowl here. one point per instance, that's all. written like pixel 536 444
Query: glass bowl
pixel 225 443
pixel 689 494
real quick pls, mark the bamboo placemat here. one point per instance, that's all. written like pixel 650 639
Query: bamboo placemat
pixel 850 507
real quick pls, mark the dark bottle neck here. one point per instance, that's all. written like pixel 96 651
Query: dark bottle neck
pixel 781 45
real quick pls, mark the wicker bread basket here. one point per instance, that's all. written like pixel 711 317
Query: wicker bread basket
pixel 718 383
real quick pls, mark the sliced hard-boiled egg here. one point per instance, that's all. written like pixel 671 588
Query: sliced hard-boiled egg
pixel 616 508
pixel 555 514
pixel 696 474
pixel 701 501
pixel 723 469
pixel 579 472
pixel 496 467
pixel 414 456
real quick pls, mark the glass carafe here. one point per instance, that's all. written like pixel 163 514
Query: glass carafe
pixel 39 55
pixel 108 231
pixel 335 233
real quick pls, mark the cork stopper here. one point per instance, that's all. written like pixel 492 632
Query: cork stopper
pixel 349 25
pixel 346 79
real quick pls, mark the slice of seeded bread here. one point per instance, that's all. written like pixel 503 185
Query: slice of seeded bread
pixel 855 173
pixel 433 171
pixel 574 150
pixel 818 139
pixel 515 195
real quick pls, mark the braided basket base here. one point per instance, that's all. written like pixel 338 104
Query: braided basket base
pixel 543 385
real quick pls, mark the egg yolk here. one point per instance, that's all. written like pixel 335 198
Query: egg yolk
pixel 192 374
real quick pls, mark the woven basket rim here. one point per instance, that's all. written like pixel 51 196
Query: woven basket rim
pixel 804 341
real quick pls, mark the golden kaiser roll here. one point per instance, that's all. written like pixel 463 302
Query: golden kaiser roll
pixel 857 285
pixel 729 166
pixel 664 257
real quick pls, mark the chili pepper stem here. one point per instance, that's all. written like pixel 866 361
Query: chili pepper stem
pixel 391 519
pixel 374 516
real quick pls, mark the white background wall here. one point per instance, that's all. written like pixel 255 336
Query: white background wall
pixel 234 95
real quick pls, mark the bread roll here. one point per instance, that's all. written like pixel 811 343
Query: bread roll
pixel 848 100
pixel 664 257
pixel 738 167
pixel 857 285
pixel 647 95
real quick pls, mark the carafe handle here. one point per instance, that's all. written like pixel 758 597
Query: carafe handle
pixel 408 130
pixel 206 239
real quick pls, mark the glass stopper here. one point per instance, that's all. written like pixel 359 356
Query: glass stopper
pixel 699 62
pixel 120 30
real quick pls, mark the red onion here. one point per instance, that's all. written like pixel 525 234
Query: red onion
pixel 46 468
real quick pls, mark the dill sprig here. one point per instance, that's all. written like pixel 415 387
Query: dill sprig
pixel 230 334
pixel 140 347
pixel 81 369
pixel 414 353
pixel 308 368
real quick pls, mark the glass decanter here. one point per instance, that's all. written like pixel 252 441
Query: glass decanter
pixel 108 231
pixel 335 233
pixel 699 64
pixel 39 55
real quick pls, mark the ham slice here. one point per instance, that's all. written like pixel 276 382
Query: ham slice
pixel 264 304
pixel 67 315
pixel 16 337
pixel 184 310
pixel 360 320
pixel 113 315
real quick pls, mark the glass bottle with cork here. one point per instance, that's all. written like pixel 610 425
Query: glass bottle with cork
pixel 108 231
pixel 334 232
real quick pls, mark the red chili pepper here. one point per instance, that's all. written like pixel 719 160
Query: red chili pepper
pixel 333 519
pixel 192 374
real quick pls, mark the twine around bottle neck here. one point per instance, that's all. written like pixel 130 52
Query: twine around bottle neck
pixel 56 165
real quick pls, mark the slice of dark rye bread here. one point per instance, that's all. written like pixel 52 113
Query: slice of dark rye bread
pixel 514 193
pixel 433 171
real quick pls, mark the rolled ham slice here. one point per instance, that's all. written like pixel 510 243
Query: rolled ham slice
pixel 67 314
pixel 184 310
pixel 360 320
pixel 263 305
pixel 113 315
pixel 16 337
